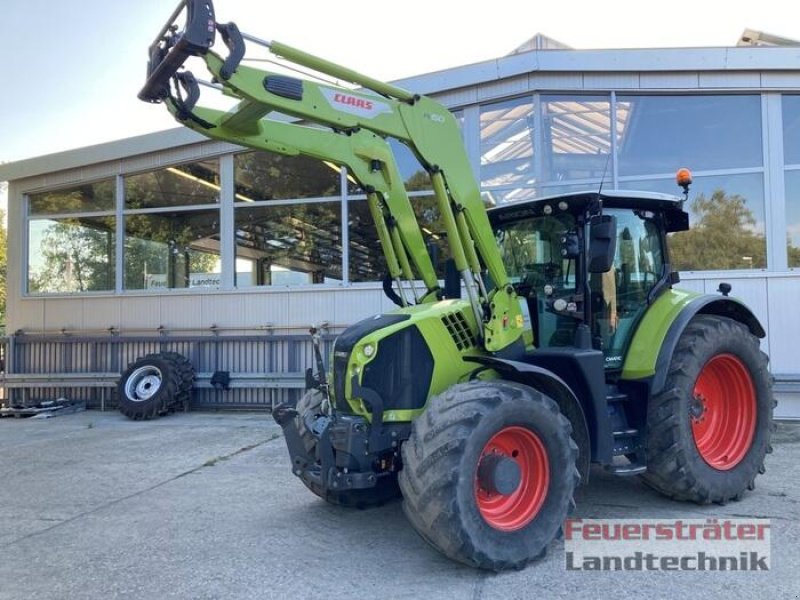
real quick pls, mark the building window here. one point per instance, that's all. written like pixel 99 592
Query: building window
pixel 506 143
pixel 367 262
pixel 791 129
pixel 72 239
pixel 659 134
pixel 577 137
pixel 288 223
pixel 726 215
pixel 288 245
pixel 791 154
pixel 263 176
pixel 793 217
pixel 172 228
pixel 656 135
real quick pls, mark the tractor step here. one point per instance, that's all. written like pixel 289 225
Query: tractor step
pixel 616 396
pixel 626 470
pixel 626 433
pixel 627 441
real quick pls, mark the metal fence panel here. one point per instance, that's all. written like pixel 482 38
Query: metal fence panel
pixel 66 354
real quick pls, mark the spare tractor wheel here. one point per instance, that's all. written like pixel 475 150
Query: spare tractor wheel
pixel 150 386
pixel 709 430
pixel 309 408
pixel 186 376
pixel 489 472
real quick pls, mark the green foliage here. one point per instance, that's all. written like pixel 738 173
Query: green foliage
pixel 263 176
pixel 723 236
pixel 794 255
pixel 77 256
pixel 419 181
pixel 91 197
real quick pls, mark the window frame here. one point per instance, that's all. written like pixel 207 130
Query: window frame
pixel 25 271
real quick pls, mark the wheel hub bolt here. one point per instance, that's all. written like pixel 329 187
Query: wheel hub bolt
pixel 697 407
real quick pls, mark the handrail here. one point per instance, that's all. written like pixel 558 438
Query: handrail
pixel 162 330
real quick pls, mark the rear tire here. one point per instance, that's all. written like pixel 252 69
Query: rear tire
pixel 709 431
pixel 386 488
pixel 445 495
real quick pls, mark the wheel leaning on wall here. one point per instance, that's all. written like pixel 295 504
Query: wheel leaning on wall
pixel 185 377
pixel 154 385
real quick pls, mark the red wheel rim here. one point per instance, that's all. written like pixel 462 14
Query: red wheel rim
pixel 723 412
pixel 515 510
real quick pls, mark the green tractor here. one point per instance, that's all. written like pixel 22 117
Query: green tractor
pixel 571 346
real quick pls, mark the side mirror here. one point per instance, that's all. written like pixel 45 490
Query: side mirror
pixel 602 243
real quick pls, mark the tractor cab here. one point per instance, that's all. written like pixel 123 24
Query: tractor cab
pixel 586 265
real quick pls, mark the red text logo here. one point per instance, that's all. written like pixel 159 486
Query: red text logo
pixel 352 101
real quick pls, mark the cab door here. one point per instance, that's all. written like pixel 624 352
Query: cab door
pixel 619 297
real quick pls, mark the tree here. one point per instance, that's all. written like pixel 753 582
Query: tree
pixel 724 236
pixel 265 176
pixel 794 254
pixel 76 256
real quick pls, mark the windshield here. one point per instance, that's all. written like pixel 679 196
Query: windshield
pixel 531 250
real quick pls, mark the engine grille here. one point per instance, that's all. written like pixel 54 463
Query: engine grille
pixel 401 372
pixel 344 346
pixel 459 330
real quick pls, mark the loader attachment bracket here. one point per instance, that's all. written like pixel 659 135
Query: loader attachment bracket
pixel 185 83
pixel 236 49
pixel 173 46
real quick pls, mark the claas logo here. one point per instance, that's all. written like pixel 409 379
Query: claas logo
pixel 353 101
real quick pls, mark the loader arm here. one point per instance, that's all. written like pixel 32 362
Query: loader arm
pixel 356 124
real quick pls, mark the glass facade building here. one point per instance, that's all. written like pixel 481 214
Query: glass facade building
pixel 171 230
pixel 289 213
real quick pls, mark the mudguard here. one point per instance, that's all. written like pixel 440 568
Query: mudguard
pixel 657 336
pixel 556 388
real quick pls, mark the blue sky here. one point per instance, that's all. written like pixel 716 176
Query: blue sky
pixel 72 69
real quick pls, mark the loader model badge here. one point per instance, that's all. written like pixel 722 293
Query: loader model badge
pixel 355 105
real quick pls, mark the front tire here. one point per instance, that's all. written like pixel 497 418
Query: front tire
pixel 709 430
pixel 489 473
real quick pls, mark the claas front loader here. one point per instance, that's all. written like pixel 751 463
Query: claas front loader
pixel 571 344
